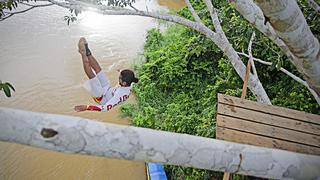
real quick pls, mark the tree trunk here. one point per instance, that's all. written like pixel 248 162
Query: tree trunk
pixel 76 135
pixel 290 25
pixel 252 13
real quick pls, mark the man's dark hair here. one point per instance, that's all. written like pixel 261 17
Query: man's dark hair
pixel 128 76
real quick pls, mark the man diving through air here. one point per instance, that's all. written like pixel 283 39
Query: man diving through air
pixel 99 86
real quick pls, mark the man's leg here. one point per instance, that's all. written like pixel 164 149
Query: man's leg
pixel 92 60
pixel 93 63
pixel 86 62
pixel 87 68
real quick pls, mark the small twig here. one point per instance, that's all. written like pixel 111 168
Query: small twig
pixel 146 6
pixel 193 12
pixel 6 17
pixel 239 165
pixel 250 54
pixel 133 7
pixel 294 77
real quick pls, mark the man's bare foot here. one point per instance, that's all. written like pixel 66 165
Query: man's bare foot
pixel 81 46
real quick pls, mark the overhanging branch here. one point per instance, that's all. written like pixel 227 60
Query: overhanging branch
pixel 9 14
pixel 107 10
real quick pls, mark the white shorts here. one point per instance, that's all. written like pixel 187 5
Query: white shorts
pixel 98 86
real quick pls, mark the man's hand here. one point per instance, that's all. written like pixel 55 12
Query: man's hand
pixel 80 108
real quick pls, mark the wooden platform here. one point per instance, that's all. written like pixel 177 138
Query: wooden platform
pixel 249 122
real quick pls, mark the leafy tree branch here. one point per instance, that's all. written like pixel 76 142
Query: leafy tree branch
pixel 7 14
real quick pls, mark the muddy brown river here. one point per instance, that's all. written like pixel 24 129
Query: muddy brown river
pixel 38 55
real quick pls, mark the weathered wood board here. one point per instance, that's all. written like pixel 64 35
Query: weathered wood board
pixel 249 122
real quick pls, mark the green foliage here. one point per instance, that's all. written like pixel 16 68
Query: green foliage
pixel 7 88
pixel 71 18
pixel 120 3
pixel 7 5
pixel 184 71
pixel 178 86
pixel 312 17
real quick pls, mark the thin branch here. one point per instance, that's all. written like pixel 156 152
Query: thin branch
pixel 193 12
pixel 25 10
pixel 133 7
pixel 6 17
pixel 26 4
pixel 147 9
pixel 294 77
pixel 250 55
pixel 214 16
pixel 314 5
pixel 108 10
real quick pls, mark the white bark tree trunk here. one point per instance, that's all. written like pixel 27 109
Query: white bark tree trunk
pixel 76 135
pixel 252 13
pixel 290 25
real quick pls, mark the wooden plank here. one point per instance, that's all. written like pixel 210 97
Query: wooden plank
pixel 272 120
pixel 251 139
pixel 276 110
pixel 269 131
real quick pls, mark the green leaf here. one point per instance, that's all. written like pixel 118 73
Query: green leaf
pixel 10 86
pixel 76 12
pixel 7 91
pixel 73 19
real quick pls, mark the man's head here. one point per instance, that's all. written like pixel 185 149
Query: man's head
pixel 126 77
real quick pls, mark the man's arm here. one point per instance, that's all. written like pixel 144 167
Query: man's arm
pixel 101 108
pixel 115 100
